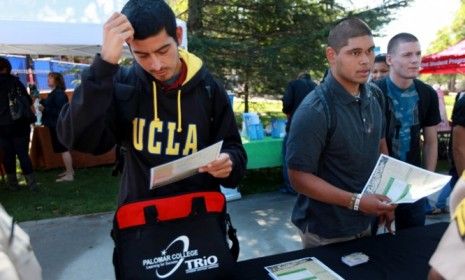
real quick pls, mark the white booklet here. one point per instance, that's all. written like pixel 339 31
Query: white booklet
pixel 302 269
pixel 403 182
pixel 184 167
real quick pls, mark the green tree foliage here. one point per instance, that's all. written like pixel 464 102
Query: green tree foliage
pixel 452 34
pixel 262 44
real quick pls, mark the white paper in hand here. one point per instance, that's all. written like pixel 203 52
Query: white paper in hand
pixel 403 182
pixel 184 167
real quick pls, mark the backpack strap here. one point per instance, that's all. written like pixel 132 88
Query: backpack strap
pixel 206 87
pixel 377 93
pixel 323 93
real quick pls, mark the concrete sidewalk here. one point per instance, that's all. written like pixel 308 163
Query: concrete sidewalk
pixel 80 247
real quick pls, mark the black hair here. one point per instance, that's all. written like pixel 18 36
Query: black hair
pixel 344 30
pixel 400 38
pixel 5 65
pixel 380 58
pixel 150 17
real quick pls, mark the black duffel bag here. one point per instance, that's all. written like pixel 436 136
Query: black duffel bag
pixel 177 237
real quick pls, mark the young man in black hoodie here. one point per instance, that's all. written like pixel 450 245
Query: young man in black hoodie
pixel 164 107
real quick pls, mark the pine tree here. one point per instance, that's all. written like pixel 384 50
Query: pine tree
pixel 262 44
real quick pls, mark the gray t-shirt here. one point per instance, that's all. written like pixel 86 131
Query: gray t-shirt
pixel 346 162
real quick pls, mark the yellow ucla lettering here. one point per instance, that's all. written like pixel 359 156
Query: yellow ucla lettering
pixel 191 140
pixel 172 148
pixel 154 147
pixel 138 133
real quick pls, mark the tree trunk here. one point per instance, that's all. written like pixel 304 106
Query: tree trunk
pixel 246 97
pixel 452 80
pixel 194 22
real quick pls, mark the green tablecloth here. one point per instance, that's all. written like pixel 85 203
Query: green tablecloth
pixel 263 153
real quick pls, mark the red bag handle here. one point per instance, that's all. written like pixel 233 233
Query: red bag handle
pixel 167 208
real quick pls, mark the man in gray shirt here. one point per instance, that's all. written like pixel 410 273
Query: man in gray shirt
pixel 331 152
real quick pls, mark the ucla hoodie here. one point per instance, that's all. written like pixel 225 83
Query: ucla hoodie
pixel 126 106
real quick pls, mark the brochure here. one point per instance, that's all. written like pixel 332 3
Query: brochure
pixel 403 182
pixel 302 269
pixel 184 167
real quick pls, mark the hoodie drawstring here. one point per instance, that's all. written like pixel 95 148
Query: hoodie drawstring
pixel 179 112
pixel 155 110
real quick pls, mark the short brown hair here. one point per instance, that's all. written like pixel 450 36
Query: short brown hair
pixel 400 38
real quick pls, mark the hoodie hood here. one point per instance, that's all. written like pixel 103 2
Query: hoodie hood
pixel 195 71
pixel 194 74
pixel 193 63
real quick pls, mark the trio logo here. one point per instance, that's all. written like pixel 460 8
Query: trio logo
pixel 177 259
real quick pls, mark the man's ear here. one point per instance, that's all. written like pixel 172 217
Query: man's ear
pixel 389 59
pixel 331 55
pixel 179 33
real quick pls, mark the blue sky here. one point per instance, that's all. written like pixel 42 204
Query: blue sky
pixel 90 11
pixel 423 18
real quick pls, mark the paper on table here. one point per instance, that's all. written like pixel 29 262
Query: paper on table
pixel 302 269
pixel 403 182
pixel 184 167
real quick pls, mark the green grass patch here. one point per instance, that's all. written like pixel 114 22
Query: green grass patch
pixel 258 105
pixel 266 109
pixel 93 190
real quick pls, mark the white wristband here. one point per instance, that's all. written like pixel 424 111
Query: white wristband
pixel 357 202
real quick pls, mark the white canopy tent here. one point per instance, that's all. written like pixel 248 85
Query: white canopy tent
pixel 56 38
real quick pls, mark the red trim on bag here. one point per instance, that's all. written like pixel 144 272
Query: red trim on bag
pixel 169 208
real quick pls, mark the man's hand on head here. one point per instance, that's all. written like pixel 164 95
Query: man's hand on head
pixel 116 31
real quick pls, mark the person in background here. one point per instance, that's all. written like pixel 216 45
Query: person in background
pixel 412 110
pixel 14 134
pixel 444 127
pixel 295 92
pixel 456 154
pixel 51 107
pixel 329 174
pixel 380 68
pixel 458 136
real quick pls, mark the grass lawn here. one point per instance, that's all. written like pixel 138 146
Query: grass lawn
pixel 95 190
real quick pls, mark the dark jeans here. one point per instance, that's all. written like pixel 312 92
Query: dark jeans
pixel 410 215
pixel 445 192
pixel 16 145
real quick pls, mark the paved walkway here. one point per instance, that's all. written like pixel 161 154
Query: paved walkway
pixel 80 247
